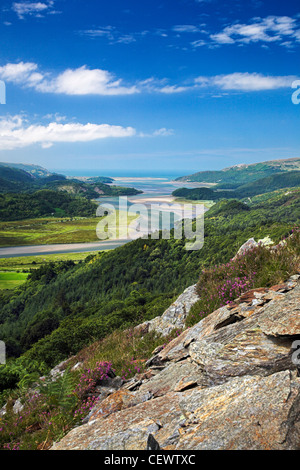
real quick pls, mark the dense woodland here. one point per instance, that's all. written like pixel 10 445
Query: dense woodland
pixel 44 203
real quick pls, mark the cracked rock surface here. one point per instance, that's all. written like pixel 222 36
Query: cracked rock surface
pixel 228 382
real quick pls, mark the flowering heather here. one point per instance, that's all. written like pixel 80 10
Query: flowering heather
pixel 258 267
pixel 92 377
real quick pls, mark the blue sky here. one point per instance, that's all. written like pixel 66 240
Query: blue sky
pixel 170 86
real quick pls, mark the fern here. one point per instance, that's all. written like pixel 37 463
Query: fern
pixel 60 393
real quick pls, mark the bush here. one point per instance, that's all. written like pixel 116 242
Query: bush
pixel 259 267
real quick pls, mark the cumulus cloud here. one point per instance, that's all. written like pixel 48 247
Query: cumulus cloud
pixel 84 81
pixel 15 133
pixel 80 81
pixel 19 73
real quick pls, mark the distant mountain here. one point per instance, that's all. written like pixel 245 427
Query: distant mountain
pixel 234 176
pixel 34 170
pixel 17 180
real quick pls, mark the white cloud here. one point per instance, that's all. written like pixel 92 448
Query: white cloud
pixel 185 28
pixel 16 133
pixel 170 89
pixel 18 73
pixel 105 31
pixel 163 132
pixel 80 81
pixel 246 82
pixel 32 8
pixel 84 81
pixel 266 30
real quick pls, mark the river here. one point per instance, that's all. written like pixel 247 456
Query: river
pixel 156 190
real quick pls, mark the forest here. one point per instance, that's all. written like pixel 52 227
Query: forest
pixel 44 203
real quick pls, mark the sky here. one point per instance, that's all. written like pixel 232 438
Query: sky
pixel 150 87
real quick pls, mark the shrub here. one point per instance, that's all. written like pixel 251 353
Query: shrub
pixel 258 267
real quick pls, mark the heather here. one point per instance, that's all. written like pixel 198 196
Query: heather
pixel 261 266
pixel 52 407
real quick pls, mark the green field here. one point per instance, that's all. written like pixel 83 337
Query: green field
pixel 48 231
pixel 10 280
pixel 181 200
pixel 25 263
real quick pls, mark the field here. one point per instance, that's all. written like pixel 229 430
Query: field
pixel 14 271
pixel 25 263
pixel 10 280
pixel 47 231
pixel 181 200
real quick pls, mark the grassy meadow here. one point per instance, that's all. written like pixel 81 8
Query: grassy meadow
pixel 10 280
pixel 47 231
pixel 14 271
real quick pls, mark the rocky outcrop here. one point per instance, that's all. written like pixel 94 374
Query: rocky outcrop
pixel 174 317
pixel 229 382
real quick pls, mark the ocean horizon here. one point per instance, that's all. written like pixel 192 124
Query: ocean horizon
pixel 122 173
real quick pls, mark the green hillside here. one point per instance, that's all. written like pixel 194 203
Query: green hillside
pixel 15 180
pixel 232 177
pixel 289 179
pixel 34 170
pixel 44 203
pixel 63 307
pixel 268 184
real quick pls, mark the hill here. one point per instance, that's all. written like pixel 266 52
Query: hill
pixel 290 179
pixel 61 307
pixel 44 203
pixel 268 184
pixel 17 180
pixel 34 170
pixel 14 180
pixel 232 177
pixel 231 366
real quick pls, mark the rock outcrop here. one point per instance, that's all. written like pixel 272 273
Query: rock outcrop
pixel 229 382
pixel 174 317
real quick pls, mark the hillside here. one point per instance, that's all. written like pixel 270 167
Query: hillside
pixel 19 178
pixel 290 179
pixel 226 382
pixel 209 389
pixel 131 283
pixel 230 178
pixel 44 203
pixel 14 180
pixel 34 170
